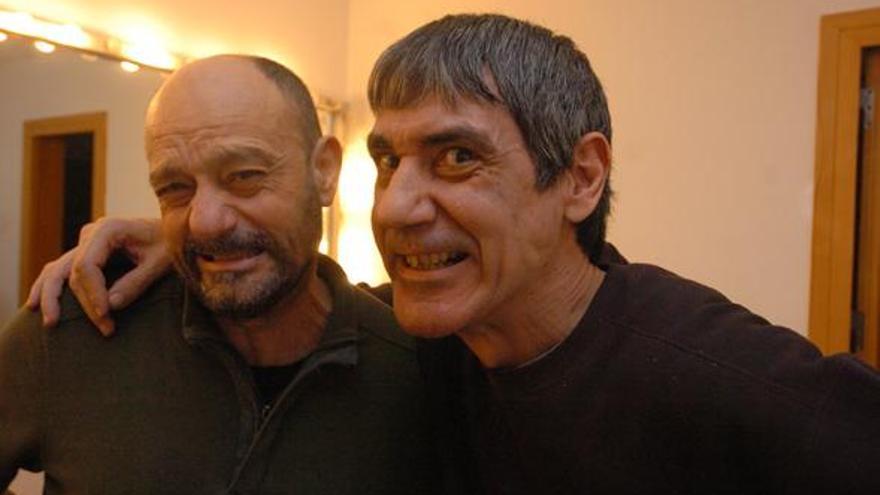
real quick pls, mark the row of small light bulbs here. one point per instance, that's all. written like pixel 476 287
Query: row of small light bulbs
pixel 47 48
pixel 48 34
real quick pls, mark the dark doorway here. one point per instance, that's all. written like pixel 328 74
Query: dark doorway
pixel 77 210
pixel 63 187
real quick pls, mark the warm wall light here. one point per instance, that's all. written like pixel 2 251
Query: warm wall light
pixel 19 22
pixel 3 36
pixel 70 35
pixel 357 252
pixel 129 66
pixel 150 54
pixel 64 34
pixel 138 51
pixel 44 46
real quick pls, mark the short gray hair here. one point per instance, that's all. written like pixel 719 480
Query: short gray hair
pixel 543 80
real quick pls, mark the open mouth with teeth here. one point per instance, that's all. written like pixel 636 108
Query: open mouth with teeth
pixel 433 261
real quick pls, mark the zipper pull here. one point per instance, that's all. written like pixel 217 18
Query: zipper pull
pixel 267 408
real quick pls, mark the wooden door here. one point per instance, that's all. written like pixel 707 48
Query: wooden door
pixel 844 257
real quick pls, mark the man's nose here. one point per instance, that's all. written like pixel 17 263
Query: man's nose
pixel 210 215
pixel 406 198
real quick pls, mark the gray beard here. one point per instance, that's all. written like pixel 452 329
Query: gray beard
pixel 259 299
pixel 230 295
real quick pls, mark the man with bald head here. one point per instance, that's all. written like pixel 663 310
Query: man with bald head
pixel 256 367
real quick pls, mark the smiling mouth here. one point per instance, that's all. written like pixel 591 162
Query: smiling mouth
pixel 227 256
pixel 433 261
pixel 238 261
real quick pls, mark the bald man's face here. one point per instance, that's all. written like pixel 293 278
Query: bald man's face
pixel 240 211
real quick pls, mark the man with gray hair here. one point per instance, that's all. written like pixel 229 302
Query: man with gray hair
pixel 554 365
pixel 256 367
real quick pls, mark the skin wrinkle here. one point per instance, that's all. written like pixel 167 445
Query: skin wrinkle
pixel 220 138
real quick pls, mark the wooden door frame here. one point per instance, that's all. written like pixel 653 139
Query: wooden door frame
pixel 94 123
pixel 842 38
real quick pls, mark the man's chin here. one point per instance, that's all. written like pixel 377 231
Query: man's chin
pixel 243 299
pixel 425 324
pixel 232 309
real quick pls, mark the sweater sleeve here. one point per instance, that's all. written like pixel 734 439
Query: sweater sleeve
pixel 22 389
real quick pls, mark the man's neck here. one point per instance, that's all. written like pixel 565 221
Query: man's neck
pixel 290 331
pixel 528 329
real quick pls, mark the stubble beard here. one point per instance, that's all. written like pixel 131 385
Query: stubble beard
pixel 241 295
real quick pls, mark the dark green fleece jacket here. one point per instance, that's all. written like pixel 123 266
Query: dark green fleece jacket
pixel 168 406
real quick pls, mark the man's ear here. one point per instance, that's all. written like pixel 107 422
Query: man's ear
pixel 326 162
pixel 588 173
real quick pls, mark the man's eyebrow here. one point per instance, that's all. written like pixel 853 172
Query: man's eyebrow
pixel 459 133
pixel 164 172
pixel 377 141
pixel 223 155
pixel 455 134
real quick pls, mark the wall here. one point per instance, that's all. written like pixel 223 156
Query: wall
pixel 310 36
pixel 713 107
pixel 30 88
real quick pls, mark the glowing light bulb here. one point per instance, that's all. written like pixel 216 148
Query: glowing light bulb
pixel 70 34
pixel 22 20
pixel 61 33
pixel 3 37
pixel 17 22
pixel 129 66
pixel 151 54
pixel 44 47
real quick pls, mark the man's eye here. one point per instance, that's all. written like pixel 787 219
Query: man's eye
pixel 456 162
pixel 172 189
pixel 387 162
pixel 458 157
pixel 245 175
